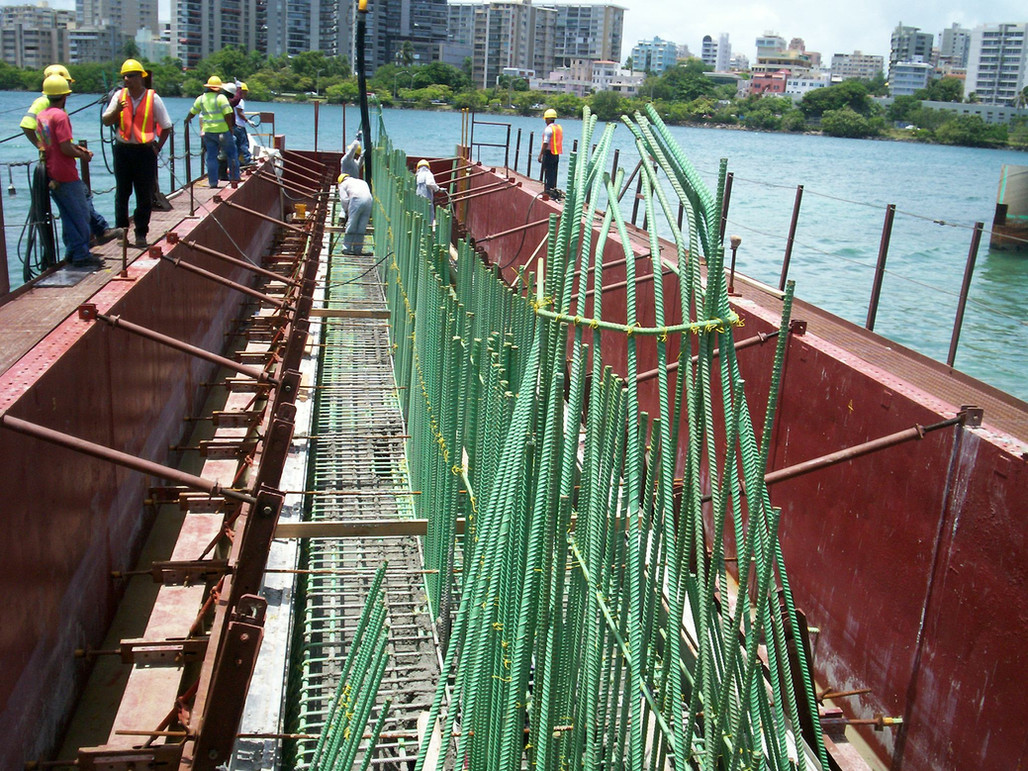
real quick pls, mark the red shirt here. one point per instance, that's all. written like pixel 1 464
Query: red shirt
pixel 53 127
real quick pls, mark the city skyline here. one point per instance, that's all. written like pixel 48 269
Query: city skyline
pixel 826 26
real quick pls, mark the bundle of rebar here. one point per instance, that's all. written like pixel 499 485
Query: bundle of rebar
pixel 588 613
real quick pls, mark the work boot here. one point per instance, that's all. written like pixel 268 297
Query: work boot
pixel 109 235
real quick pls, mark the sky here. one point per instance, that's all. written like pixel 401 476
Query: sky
pixel 826 26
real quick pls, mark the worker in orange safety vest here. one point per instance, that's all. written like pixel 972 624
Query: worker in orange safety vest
pixel 549 152
pixel 143 126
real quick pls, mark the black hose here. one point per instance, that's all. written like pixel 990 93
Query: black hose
pixel 40 248
pixel 362 84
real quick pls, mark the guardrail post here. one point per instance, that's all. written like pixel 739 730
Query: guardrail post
pixel 883 253
pixel 972 255
pixel 792 237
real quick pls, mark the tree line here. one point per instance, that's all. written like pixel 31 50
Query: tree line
pixel 683 95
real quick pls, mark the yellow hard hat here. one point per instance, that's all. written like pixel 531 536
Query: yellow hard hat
pixel 422 162
pixel 342 177
pixel 213 83
pixel 58 69
pixel 55 85
pixel 131 65
pixel 242 85
pixel 550 113
pixel 357 150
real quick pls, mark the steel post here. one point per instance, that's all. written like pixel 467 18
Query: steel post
pixel 972 255
pixel 883 253
pixel 789 241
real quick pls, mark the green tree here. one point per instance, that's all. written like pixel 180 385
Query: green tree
pixel 794 120
pixel 846 122
pixel 948 89
pixel 567 105
pixel 344 92
pixel 130 49
pixel 405 55
pixel 902 108
pixel 850 93
pixel 971 131
pixel 606 105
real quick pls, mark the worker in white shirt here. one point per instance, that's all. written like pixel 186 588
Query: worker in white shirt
pixel 355 200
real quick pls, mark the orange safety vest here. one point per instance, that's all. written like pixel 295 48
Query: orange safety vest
pixel 556 139
pixel 137 124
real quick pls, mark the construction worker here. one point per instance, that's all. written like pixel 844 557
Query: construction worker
pixel 98 226
pixel 427 186
pixel 237 98
pixel 53 128
pixel 353 162
pixel 355 200
pixel 216 122
pixel 549 152
pixel 143 128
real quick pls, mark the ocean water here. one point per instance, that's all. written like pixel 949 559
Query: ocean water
pixel 939 193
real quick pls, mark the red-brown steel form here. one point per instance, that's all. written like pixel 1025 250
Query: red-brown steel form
pixel 86 312
pixel 278 222
pixel 883 253
pixel 509 231
pixel 972 255
pixel 264 298
pixel 123 459
pixel 5 279
pixel 246 264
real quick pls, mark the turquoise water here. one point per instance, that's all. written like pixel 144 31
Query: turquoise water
pixel 847 185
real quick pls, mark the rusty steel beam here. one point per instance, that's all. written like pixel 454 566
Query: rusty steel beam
pixel 174 239
pixel 212 276
pixel 508 232
pixel 265 217
pixel 758 339
pixel 122 459
pixel 474 193
pixel 88 312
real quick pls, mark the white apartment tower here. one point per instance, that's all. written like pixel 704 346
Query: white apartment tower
pixel 717 53
pixel 997 63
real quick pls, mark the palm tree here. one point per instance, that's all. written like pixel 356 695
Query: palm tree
pixel 406 54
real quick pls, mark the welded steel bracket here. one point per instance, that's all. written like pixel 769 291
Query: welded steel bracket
pixel 163 652
pixel 230 682
pixel 972 415
pixel 178 573
pixel 157 756
pixel 252 554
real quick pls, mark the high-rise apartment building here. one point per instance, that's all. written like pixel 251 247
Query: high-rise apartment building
pixel 519 36
pixel 654 56
pixel 856 65
pixel 295 26
pixel 126 16
pixel 586 31
pixel 716 53
pixel 201 27
pixel 997 63
pixel 393 25
pixel 954 44
pixel 909 44
pixel 34 36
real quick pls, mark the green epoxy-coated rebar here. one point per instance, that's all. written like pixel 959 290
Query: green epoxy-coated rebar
pixel 591 609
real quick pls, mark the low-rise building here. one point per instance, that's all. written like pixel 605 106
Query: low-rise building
pixel 654 56
pixel 856 65
pixel 906 78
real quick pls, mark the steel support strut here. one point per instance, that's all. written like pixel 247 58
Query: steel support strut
pixel 122 458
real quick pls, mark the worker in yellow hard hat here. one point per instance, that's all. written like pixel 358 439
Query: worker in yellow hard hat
pixel 549 152
pixel 216 122
pixel 237 99
pixel 98 226
pixel 143 128
pixel 353 162
pixel 427 187
pixel 40 103
pixel 355 201
pixel 55 137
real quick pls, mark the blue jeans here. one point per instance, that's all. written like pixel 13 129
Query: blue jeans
pixel 97 223
pixel 75 209
pixel 227 144
pixel 242 144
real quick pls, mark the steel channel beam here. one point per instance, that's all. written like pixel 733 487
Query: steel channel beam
pixel 173 239
pixel 261 215
pixel 210 275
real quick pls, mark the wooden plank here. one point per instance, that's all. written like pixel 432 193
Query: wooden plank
pixel 349 313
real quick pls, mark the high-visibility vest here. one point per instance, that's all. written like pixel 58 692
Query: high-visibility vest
pixel 136 124
pixel 210 107
pixel 556 139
